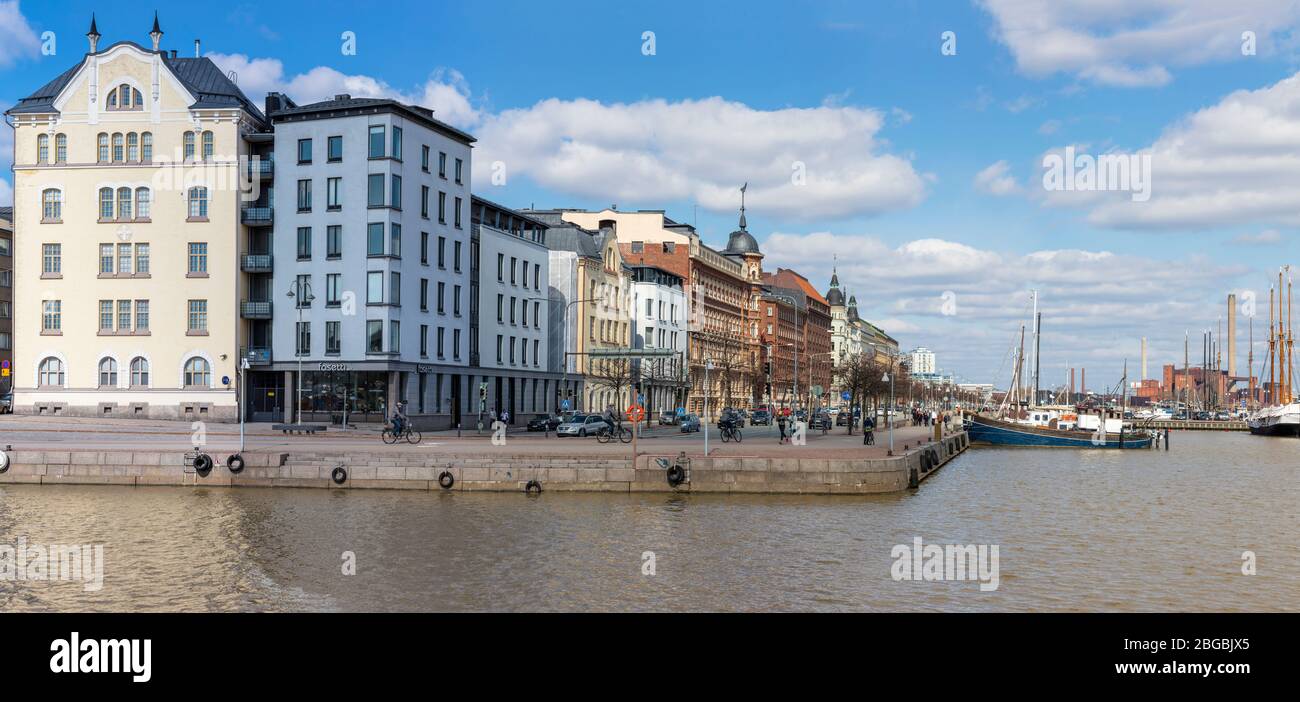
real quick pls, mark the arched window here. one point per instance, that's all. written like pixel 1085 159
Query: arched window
pixel 198 203
pixel 137 99
pixel 108 373
pixel 52 205
pixel 139 372
pixel 142 203
pixel 105 203
pixel 112 100
pixel 197 373
pixel 207 145
pixel 132 147
pixel 103 148
pixel 189 146
pixel 43 148
pixel 124 203
pixel 50 373
pixel 60 148
pixel 146 147
pixel 117 147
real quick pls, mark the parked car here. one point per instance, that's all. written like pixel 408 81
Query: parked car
pixel 7 403
pixel 668 419
pixel 582 425
pixel 544 422
pixel 820 420
pixel 762 417
pixel 690 422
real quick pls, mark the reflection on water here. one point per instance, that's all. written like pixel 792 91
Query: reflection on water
pixel 1077 530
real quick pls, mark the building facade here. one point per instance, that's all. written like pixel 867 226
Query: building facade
pixel 128 189
pixel 6 299
pixel 369 294
pixel 659 307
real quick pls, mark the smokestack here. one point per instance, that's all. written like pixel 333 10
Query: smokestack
pixel 1083 382
pixel 1144 358
pixel 1232 336
pixel 196 49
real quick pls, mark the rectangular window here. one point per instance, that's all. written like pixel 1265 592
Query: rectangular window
pixel 394 336
pixel 304 243
pixel 303 346
pixel 333 198
pixel 142 259
pixel 442 290
pixel 124 259
pixel 512 350
pixel 535 342
pixel 498 349
pixel 424 248
pixel 455 300
pixel 106 259
pixel 424 340
pixel 142 315
pixel 52 315
pixel 424 294
pixel 537 306
pixel 397 143
pixel 397 192
pixel 375 239
pixel 442 165
pixel 304 151
pixel 335 148
pixel 512 310
pixel 375 287
pixel 106 315
pixel 375 190
pixel 457 213
pixel 459 167
pixel 395 240
pixel 424 201
pixel 424 158
pixel 302 291
pixel 394 288
pixel 501 308
pixel 513 263
pixel 456 256
pixel 501 268
pixel 198 316
pixel 332 339
pixel 198 257
pixel 377 141
pixel 123 315
pixel 304 196
pixel 442 207
pixel 374 336
pixel 455 343
pixel 442 252
pixel 332 291
pixel 441 346
pixel 334 241
pixel 52 258
pixel 537 276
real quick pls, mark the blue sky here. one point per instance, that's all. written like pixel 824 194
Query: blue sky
pixel 923 170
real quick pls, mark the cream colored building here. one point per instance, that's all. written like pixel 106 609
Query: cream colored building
pixel 127 216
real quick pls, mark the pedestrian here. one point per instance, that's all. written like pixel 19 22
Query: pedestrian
pixel 505 417
pixel 868 431
pixel 780 423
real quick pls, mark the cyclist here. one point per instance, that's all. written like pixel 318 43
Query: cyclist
pixel 399 418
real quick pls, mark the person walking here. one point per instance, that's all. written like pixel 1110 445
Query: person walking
pixel 868 431
pixel 780 423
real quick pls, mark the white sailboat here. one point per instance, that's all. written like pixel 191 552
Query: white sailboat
pixel 1280 415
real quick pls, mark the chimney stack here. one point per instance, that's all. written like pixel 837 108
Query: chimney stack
pixel 1232 336
pixel 196 49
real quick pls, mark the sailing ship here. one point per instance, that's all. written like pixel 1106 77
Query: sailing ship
pixel 1280 414
pixel 1050 426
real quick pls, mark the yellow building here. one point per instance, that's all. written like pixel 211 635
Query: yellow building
pixel 127 204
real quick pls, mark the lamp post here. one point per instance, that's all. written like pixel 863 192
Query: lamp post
pixel 708 366
pixel 564 374
pixel 889 378
pixel 300 302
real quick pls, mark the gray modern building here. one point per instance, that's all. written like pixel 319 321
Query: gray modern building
pixel 367 266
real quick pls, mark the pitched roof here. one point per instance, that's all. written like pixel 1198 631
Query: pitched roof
pixel 210 87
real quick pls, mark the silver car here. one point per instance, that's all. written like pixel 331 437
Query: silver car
pixel 690 422
pixel 582 425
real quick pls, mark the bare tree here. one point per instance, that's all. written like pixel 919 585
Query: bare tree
pixel 612 373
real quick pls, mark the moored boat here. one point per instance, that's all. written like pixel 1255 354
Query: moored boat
pixel 1002 432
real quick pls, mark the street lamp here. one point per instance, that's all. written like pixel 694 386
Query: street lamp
pixel 889 378
pixel 304 301
pixel 564 374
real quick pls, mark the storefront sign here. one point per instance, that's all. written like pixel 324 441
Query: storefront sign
pixel 335 367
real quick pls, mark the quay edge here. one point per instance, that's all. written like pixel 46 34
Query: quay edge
pixel 505 473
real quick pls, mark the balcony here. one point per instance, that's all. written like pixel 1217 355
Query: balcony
pixel 256 355
pixel 257 216
pixel 262 169
pixel 256 263
pixel 255 309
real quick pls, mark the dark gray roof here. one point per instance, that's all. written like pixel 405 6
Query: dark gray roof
pixel 7 213
pixel 347 103
pixel 567 236
pixel 741 242
pixel 202 77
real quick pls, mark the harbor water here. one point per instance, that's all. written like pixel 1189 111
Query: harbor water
pixel 1148 530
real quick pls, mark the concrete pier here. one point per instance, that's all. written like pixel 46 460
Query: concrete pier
pixel 786 472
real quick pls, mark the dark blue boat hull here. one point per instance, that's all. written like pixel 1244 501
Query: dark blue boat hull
pixel 984 431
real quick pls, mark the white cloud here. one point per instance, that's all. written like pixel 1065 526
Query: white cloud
pixel 17 38
pixel 6 193
pixel 1050 127
pixel 996 180
pixel 825 162
pixel 1267 237
pixel 1131 43
pixel 1095 300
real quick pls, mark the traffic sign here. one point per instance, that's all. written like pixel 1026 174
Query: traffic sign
pixel 681 411
pixel 846 396
pixel 817 391
pixel 636 413
pixel 564 404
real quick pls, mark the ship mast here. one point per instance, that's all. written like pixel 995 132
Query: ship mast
pixel 1270 390
pixel 1290 340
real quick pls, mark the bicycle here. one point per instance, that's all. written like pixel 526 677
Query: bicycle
pixel 607 434
pixel 391 437
pixel 730 433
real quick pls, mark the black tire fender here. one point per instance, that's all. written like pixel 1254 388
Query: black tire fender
pixel 531 486
pixel 235 463
pixel 446 480
pixel 676 475
pixel 203 465
pixel 339 475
